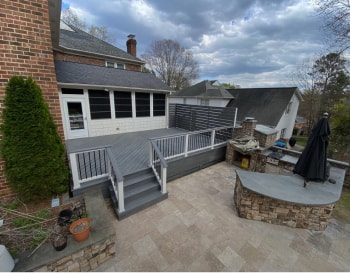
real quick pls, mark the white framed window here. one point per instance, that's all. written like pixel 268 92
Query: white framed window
pixel 111 64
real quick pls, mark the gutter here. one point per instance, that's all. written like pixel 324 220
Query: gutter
pixel 110 87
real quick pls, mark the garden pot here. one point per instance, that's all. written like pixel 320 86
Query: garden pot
pixel 64 217
pixel 59 242
pixel 80 229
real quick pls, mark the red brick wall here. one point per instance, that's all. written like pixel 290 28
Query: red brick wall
pixel 89 60
pixel 26 49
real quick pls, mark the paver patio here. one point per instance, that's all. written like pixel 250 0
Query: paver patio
pixel 197 229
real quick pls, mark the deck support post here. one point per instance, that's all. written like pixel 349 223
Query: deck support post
pixel 74 170
pixel 164 180
pixel 150 154
pixel 186 143
pixel 213 134
pixel 120 196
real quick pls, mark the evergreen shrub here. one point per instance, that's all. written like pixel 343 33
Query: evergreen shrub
pixel 33 152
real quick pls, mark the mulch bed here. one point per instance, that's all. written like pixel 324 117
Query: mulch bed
pixel 26 226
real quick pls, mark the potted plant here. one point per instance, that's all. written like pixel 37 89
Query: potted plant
pixel 58 238
pixel 80 229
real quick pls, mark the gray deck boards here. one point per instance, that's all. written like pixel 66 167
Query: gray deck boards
pixel 130 149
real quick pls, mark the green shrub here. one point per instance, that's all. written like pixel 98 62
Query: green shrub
pixel 35 165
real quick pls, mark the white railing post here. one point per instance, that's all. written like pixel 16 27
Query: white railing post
pixel 213 133
pixel 74 170
pixel 164 180
pixel 120 196
pixel 151 153
pixel 186 142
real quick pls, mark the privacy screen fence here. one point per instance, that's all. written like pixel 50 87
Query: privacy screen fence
pixel 196 117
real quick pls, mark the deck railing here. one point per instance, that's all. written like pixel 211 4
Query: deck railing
pixel 186 143
pixel 158 165
pixel 97 163
pixel 181 145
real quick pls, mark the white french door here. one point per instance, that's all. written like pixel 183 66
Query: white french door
pixel 75 118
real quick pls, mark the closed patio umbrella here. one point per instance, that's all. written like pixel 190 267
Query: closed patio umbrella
pixel 312 163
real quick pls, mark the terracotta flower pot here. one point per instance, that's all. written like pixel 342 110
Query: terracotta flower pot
pixel 80 229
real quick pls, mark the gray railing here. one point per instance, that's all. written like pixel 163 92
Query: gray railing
pixel 97 163
pixel 186 143
pixel 158 165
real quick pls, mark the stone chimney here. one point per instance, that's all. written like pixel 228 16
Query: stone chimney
pixel 131 45
pixel 248 126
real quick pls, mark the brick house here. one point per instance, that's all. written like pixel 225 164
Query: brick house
pixel 92 88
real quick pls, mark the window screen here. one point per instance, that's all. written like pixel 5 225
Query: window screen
pixel 159 104
pixel 123 104
pixel 142 104
pixel 99 102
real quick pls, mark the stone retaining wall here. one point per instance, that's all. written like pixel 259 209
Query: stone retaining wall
pixel 253 206
pixel 84 260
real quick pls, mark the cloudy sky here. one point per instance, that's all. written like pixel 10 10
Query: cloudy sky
pixel 251 43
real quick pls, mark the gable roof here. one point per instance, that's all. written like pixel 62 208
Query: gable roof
pixel 204 89
pixel 266 105
pixel 77 74
pixel 74 39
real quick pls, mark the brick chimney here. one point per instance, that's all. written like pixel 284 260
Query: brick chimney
pixel 131 45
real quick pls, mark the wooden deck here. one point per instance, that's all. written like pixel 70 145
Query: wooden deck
pixel 131 150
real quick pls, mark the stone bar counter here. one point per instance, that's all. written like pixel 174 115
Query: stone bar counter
pixel 282 200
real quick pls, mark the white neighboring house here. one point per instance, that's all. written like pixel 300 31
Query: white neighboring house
pixel 206 93
pixel 273 107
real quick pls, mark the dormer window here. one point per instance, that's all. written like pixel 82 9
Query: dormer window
pixel 114 65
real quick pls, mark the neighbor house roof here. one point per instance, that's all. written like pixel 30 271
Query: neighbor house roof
pixel 266 105
pixel 76 74
pixel 204 89
pixel 74 39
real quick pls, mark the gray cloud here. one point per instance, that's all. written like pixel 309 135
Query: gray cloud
pixel 251 43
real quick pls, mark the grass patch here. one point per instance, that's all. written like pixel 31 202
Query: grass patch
pixel 301 140
pixel 342 207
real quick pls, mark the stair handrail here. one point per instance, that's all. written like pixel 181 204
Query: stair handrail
pixel 162 174
pixel 116 179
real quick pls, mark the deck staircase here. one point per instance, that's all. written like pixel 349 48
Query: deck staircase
pixel 141 190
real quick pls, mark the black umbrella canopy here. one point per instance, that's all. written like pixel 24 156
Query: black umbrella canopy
pixel 312 164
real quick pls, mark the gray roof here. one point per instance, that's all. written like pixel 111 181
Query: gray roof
pixel 75 39
pixel 204 89
pixel 266 105
pixel 91 75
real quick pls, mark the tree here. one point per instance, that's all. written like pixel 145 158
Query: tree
pixel 332 79
pixel 172 63
pixel 71 18
pixel 310 107
pixel 31 147
pixel 336 17
pixel 228 85
pixel 340 126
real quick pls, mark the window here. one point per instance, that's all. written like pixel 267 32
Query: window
pixel 142 104
pixel 123 104
pixel 159 104
pixel 110 64
pixel 72 91
pixel 114 65
pixel 120 66
pixel 288 108
pixel 282 132
pixel 99 102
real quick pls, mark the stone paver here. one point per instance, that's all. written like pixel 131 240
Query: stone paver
pixel 197 229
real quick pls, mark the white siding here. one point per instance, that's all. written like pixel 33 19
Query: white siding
pixel 197 101
pixel 288 120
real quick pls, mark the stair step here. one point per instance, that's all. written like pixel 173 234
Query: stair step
pixel 139 204
pixel 134 181
pixel 141 189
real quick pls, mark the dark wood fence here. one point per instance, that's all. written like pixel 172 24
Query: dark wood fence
pixel 196 117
